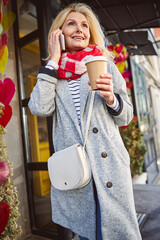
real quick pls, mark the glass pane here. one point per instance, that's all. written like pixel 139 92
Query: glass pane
pixel 146 100
pixel 136 75
pixel 143 82
pixel 153 149
pixel 142 124
pixel 145 122
pixel 27 17
pixel 139 77
pixel 144 103
pixel 139 100
pixel 38 138
pixel 30 62
pixel 42 203
pixel 42 129
pixel 151 165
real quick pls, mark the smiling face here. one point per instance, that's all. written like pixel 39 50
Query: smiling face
pixel 76 32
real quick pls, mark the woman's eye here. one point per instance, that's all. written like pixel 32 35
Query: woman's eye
pixel 85 25
pixel 71 23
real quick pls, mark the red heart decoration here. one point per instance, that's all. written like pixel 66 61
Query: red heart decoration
pixel 7 114
pixel 4 215
pixel 126 74
pixel 3 40
pixel 4 172
pixel 129 84
pixel 7 90
pixel 118 48
pixel 5 2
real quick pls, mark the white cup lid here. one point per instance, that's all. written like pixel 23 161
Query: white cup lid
pixel 95 58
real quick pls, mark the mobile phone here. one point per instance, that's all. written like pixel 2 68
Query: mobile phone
pixel 62 41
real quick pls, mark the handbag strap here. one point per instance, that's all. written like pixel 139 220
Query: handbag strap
pixel 89 117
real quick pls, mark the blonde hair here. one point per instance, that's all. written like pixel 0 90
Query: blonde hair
pixel 96 34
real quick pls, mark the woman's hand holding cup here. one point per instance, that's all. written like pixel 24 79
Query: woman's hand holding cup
pixel 54 46
pixel 105 86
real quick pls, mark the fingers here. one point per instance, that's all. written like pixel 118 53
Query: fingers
pixel 54 47
pixel 105 82
pixel 54 36
pixel 106 75
pixel 105 86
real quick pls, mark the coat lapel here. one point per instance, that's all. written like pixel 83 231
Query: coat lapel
pixel 64 94
pixel 84 93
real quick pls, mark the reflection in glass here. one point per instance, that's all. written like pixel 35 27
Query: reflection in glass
pixel 145 122
pixel 38 138
pixel 139 77
pixel 136 75
pixel 143 98
pixel 27 17
pixel 142 125
pixel 42 202
pixel 30 62
pixel 42 129
pixel 139 99
pixel 37 128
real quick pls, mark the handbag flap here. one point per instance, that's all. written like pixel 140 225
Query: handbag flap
pixel 65 169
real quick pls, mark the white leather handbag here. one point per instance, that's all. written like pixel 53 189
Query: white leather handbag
pixel 70 168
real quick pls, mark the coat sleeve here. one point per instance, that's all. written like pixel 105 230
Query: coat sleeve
pixel 125 112
pixel 42 99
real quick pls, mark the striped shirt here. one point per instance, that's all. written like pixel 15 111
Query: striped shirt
pixel 74 86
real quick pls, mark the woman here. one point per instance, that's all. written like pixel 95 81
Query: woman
pixel 103 209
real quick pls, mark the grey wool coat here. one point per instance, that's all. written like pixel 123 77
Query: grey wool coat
pixel 75 209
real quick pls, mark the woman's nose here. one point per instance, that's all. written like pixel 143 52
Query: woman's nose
pixel 79 29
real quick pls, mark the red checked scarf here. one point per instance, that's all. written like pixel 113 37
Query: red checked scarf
pixel 72 66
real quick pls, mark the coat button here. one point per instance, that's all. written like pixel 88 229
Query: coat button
pixel 109 184
pixel 95 130
pixel 104 154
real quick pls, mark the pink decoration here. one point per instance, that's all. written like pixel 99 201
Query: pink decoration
pixel 7 90
pixel 124 127
pixel 4 172
pixel 119 48
pixel 134 119
pixel 5 2
pixel 7 114
pixel 3 40
pixel 4 215
pixel 129 84
pixel 110 47
pixel 126 74
pixel 120 58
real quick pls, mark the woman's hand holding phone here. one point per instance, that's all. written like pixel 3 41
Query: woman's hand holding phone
pixel 54 45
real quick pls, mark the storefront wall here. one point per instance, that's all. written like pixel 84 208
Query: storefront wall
pixel 31 138
pixel 155 95
pixel 150 67
pixel 13 139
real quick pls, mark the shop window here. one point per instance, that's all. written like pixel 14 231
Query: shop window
pixel 141 94
pixel 30 62
pixel 144 115
pixel 30 37
pixel 27 17
pixel 42 201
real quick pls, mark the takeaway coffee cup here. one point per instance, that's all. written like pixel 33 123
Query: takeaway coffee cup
pixel 95 66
